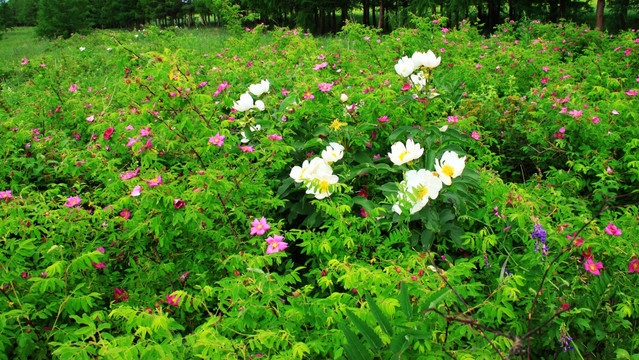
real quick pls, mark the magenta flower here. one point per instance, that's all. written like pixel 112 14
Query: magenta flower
pixel 25 61
pixel 576 241
pixel 91 118
pixel 595 120
pixel 6 194
pixel 406 87
pixel 100 249
pixel 383 119
pixel 246 148
pixel 325 87
pixel 73 201
pixel 73 88
pixel 178 203
pixel 217 139
pixel 259 227
pixel 612 229
pixel 173 300
pixel 125 213
pixel 631 92
pixel 101 265
pixel 308 95
pixel 130 174
pixel 275 244
pixel 593 267
pixel 155 182
pixel 145 132
pixel 475 135
pixel 136 190
pixel 274 137
pixel 633 266
pixel 107 133
pixel 132 141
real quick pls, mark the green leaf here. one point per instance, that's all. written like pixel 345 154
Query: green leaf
pixel 354 348
pixel 366 331
pixel 404 301
pixel 379 316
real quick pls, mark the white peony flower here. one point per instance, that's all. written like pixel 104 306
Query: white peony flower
pixel 450 166
pixel 261 88
pixel 405 66
pixel 244 104
pixel 298 172
pixel 259 104
pixel 419 80
pixel 333 152
pixel 401 154
pixel 427 59
pixel 418 187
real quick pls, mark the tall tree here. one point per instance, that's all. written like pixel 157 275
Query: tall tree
pixel 601 4
pixel 62 17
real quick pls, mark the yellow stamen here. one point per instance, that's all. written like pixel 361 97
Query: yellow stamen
pixel 448 170
pixel 423 191
pixel 404 153
pixel 323 186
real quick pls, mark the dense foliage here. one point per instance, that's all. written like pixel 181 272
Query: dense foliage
pixel 61 18
pixel 281 196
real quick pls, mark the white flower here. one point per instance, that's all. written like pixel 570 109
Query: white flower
pixel 401 154
pixel 450 166
pixel 320 175
pixel 405 66
pixel 418 188
pixel 244 139
pixel 259 104
pixel 333 152
pixel 428 59
pixel 419 80
pixel 343 98
pixel 310 170
pixel 298 172
pixel 259 89
pixel 244 104
pixel 82 48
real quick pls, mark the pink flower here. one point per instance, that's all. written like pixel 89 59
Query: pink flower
pixel 100 249
pixel 91 118
pixel 633 266
pixel 173 300
pixel 285 92
pixel 107 133
pixel 615 112
pixel 25 61
pixel 136 190
pixel 576 241
pixel 275 244
pixel 145 132
pixel 259 227
pixel 246 148
pixel 130 174
pixel 593 267
pixel 406 87
pixel 545 68
pixel 576 113
pixel 544 80
pixel 308 95
pixel 125 213
pixel 101 265
pixel 325 87
pixel 155 182
pixel 595 120
pixel 631 92
pixel 612 229
pixel 609 170
pixel 383 119
pixel 147 146
pixel 73 88
pixel 120 295
pixel 453 119
pixel 132 141
pixel 73 201
pixel 217 139
pixel 475 135
pixel 274 137
pixel 320 66
pixel 178 203
pixel 6 194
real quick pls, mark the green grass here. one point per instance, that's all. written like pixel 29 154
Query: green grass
pixel 21 42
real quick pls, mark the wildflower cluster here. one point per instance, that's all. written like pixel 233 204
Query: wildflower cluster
pixel 317 174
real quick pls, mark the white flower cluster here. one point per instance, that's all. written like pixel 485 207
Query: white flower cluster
pixel 246 100
pixel 317 174
pixel 421 185
pixel 407 65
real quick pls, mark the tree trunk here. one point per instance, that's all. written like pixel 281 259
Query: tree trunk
pixel 380 24
pixel 623 14
pixel 601 4
pixel 367 15
pixel 373 13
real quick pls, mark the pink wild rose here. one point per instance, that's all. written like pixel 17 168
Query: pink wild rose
pixel 217 139
pixel 612 229
pixel 155 182
pixel 259 227
pixel 275 244
pixel 73 201
pixel 593 267
pixel 633 266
